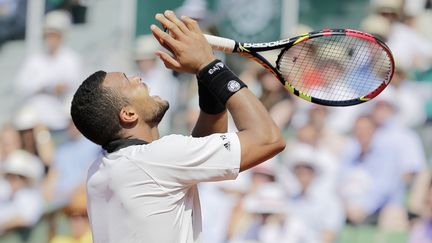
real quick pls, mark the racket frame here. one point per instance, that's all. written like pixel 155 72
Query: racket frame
pixel 250 50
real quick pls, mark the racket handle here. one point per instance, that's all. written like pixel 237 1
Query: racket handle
pixel 220 43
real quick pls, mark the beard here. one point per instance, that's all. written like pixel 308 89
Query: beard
pixel 157 116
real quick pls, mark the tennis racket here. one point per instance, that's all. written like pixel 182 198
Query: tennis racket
pixel 332 67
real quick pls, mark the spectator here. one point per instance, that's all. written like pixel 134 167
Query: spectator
pixel 76 213
pixel 77 8
pixel 69 168
pixel 419 53
pixel 47 79
pixel 325 144
pixel 270 222
pixel 410 109
pixel 20 201
pixel 35 137
pixel 371 179
pixel 399 139
pixel 377 25
pixel 310 200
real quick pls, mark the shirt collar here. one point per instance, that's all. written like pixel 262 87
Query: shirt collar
pixel 118 144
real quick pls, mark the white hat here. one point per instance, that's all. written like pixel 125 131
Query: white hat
pixel 302 154
pixel 387 3
pixel 23 163
pixel 145 47
pixel 388 6
pixel 376 24
pixel 266 168
pixel 25 118
pixel 57 21
pixel 268 199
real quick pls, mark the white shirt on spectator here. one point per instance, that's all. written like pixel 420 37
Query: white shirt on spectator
pixel 37 80
pixel 26 204
pixel 419 50
pixel 148 193
pixel 404 142
pixel 320 211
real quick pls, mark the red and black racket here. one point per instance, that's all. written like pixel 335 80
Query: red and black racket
pixel 333 67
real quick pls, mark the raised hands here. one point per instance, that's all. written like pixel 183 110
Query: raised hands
pixel 189 48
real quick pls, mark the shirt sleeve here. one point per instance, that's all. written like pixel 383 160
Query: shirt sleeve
pixel 190 160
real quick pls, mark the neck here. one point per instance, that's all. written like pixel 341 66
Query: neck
pixel 143 132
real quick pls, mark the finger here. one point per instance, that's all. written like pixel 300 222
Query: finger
pixel 173 18
pixel 191 24
pixel 166 23
pixel 168 60
pixel 162 43
pixel 165 39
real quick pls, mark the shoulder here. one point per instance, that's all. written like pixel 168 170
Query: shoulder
pixel 178 141
pixel 178 148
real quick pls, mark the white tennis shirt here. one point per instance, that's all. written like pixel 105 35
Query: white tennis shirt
pixel 148 193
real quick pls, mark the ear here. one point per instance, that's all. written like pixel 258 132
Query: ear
pixel 128 115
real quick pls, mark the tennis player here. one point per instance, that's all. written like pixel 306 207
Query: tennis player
pixel 144 188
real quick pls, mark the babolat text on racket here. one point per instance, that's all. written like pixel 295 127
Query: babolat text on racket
pixel 333 67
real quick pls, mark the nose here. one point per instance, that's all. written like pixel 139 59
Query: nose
pixel 136 79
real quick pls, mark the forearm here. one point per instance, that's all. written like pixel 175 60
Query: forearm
pixel 12 224
pixel 259 136
pixel 208 124
pixel 256 128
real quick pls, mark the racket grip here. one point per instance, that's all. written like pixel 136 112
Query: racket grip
pixel 220 43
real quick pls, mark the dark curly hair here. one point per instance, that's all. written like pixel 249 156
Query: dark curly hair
pixel 95 110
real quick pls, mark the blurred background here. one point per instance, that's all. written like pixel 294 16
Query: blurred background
pixel 355 174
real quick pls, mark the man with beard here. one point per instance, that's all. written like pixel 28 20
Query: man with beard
pixel 144 188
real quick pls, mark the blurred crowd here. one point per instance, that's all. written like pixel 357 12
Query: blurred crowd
pixel 354 174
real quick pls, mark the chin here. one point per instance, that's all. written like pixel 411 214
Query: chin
pixel 163 107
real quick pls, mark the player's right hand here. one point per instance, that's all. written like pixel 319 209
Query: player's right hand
pixel 191 51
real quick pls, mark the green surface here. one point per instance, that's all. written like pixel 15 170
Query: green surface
pixel 370 234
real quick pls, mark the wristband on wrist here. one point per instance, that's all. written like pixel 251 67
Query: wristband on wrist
pixel 220 81
pixel 207 101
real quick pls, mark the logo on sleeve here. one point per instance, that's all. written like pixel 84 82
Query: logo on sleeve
pixel 227 143
pixel 227 146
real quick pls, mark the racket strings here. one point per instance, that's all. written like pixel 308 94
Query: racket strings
pixel 335 67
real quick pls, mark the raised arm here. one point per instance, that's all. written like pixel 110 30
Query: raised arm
pixel 259 136
pixel 213 116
